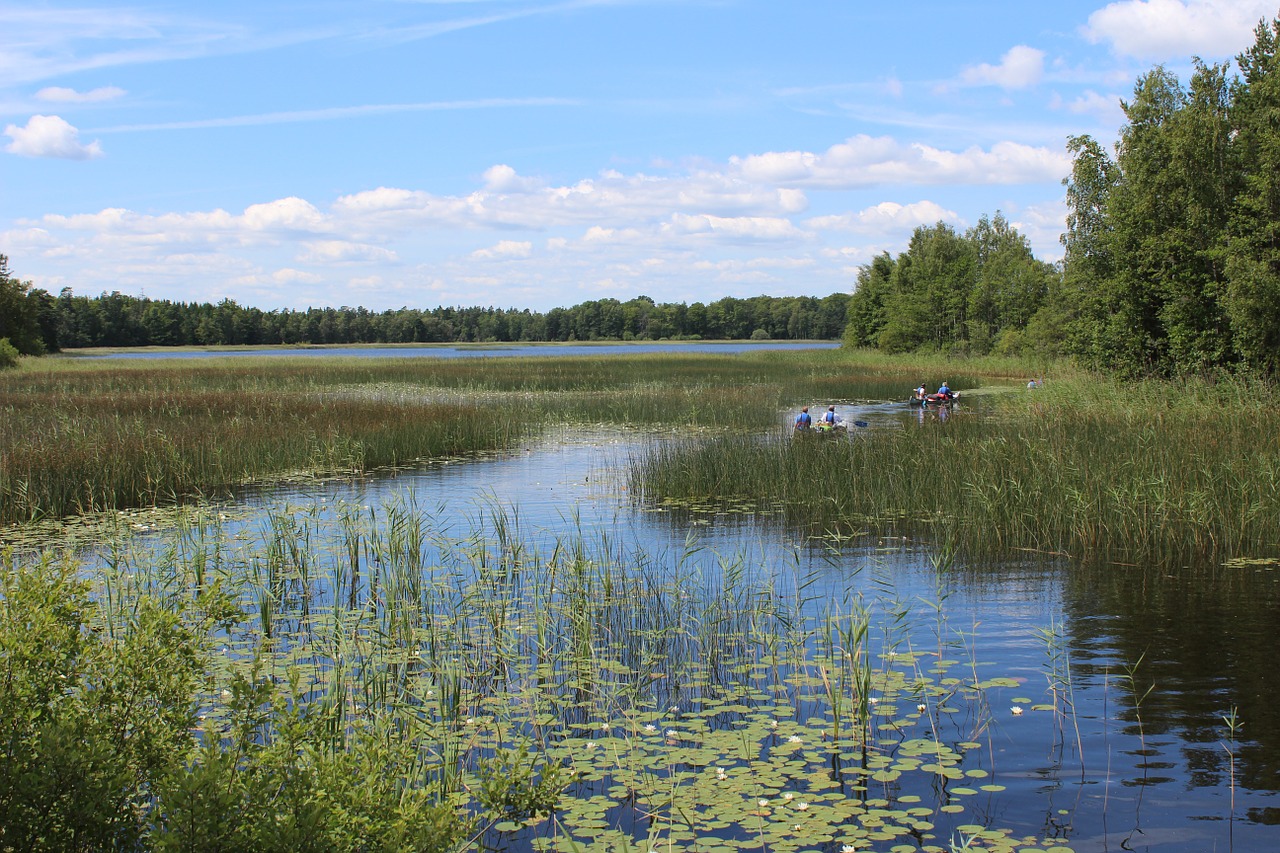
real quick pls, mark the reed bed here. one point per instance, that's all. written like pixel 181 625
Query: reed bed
pixel 81 436
pixel 402 688
pixel 1084 468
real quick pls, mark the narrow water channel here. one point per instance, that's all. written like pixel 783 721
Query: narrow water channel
pixel 1115 737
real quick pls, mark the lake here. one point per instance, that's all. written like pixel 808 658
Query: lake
pixel 1122 676
pixel 494 350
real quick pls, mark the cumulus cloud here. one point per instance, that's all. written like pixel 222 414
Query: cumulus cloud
pixel 1177 29
pixel 734 228
pixel 292 276
pixel 344 251
pixel 887 217
pixel 62 95
pixel 287 214
pixel 505 249
pixel 1020 68
pixel 504 179
pixel 50 136
pixel 864 161
pixel 1105 108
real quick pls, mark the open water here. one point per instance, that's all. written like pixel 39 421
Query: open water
pixel 1113 774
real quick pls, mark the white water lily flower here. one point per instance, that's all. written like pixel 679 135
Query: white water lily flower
pixel 675 709
pixel 651 728
pixel 794 739
pixel 788 796
pixel 804 807
pixel 591 744
pixel 773 724
pixel 671 732
pixel 921 707
pixel 763 803
pixel 847 848
pixel 1016 709
pixel 874 700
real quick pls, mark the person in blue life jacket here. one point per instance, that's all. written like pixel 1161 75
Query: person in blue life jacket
pixel 921 393
pixel 944 389
pixel 831 418
pixel 803 420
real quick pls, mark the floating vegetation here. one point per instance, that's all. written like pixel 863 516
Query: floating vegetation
pixel 491 689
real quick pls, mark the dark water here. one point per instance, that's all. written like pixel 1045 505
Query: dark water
pixel 480 350
pixel 1146 664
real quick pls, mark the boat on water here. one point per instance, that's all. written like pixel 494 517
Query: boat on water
pixel 947 399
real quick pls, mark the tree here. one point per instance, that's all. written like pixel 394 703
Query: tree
pixel 1252 296
pixel 866 311
pixel 21 310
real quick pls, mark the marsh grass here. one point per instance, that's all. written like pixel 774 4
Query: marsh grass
pixel 551 695
pixel 81 436
pixel 1085 468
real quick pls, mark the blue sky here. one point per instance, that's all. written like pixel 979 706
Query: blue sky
pixel 527 154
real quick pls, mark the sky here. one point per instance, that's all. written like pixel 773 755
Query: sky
pixel 541 153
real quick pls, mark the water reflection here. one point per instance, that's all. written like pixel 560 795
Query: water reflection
pixel 1123 675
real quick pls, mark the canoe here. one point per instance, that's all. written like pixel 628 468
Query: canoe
pixel 933 400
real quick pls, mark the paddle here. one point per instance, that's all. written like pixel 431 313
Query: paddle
pixel 861 424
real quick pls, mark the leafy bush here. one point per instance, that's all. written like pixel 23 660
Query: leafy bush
pixel 8 354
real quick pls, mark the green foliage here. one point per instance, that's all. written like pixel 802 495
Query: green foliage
pixel 514 786
pixel 23 315
pixel 8 354
pixel 1171 250
pixel 119 320
pixel 949 292
pixel 89 719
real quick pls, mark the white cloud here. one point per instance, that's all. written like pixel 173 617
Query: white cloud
pixel 292 276
pixel 1020 68
pixel 50 136
pixel 503 179
pixel 734 228
pixel 62 95
pixel 287 214
pixel 341 251
pixel 1105 108
pixel 887 217
pixel 865 161
pixel 503 250
pixel 1177 29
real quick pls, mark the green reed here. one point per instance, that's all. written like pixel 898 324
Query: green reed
pixel 80 436
pixel 1081 467
pixel 578 694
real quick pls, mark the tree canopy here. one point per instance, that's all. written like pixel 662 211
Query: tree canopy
pixel 1172 245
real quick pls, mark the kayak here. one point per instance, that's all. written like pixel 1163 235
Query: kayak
pixel 933 400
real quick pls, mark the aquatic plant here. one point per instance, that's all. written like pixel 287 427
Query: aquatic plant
pixel 1074 468
pixel 494 689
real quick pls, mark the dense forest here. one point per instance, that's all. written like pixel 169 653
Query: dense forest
pixel 37 322
pixel 1172 245
pixel 1171 266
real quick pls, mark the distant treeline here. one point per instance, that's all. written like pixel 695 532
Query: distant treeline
pixel 50 323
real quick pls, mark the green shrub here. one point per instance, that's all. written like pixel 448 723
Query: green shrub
pixel 8 354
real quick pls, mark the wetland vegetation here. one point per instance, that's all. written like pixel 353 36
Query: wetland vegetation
pixel 343 676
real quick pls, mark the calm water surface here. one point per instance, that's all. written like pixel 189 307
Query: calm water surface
pixel 509 350
pixel 1193 643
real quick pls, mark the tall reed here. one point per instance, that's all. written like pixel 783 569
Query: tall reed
pixel 1083 468
pixel 81 436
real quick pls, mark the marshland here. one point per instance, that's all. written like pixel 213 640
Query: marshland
pixel 610 602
